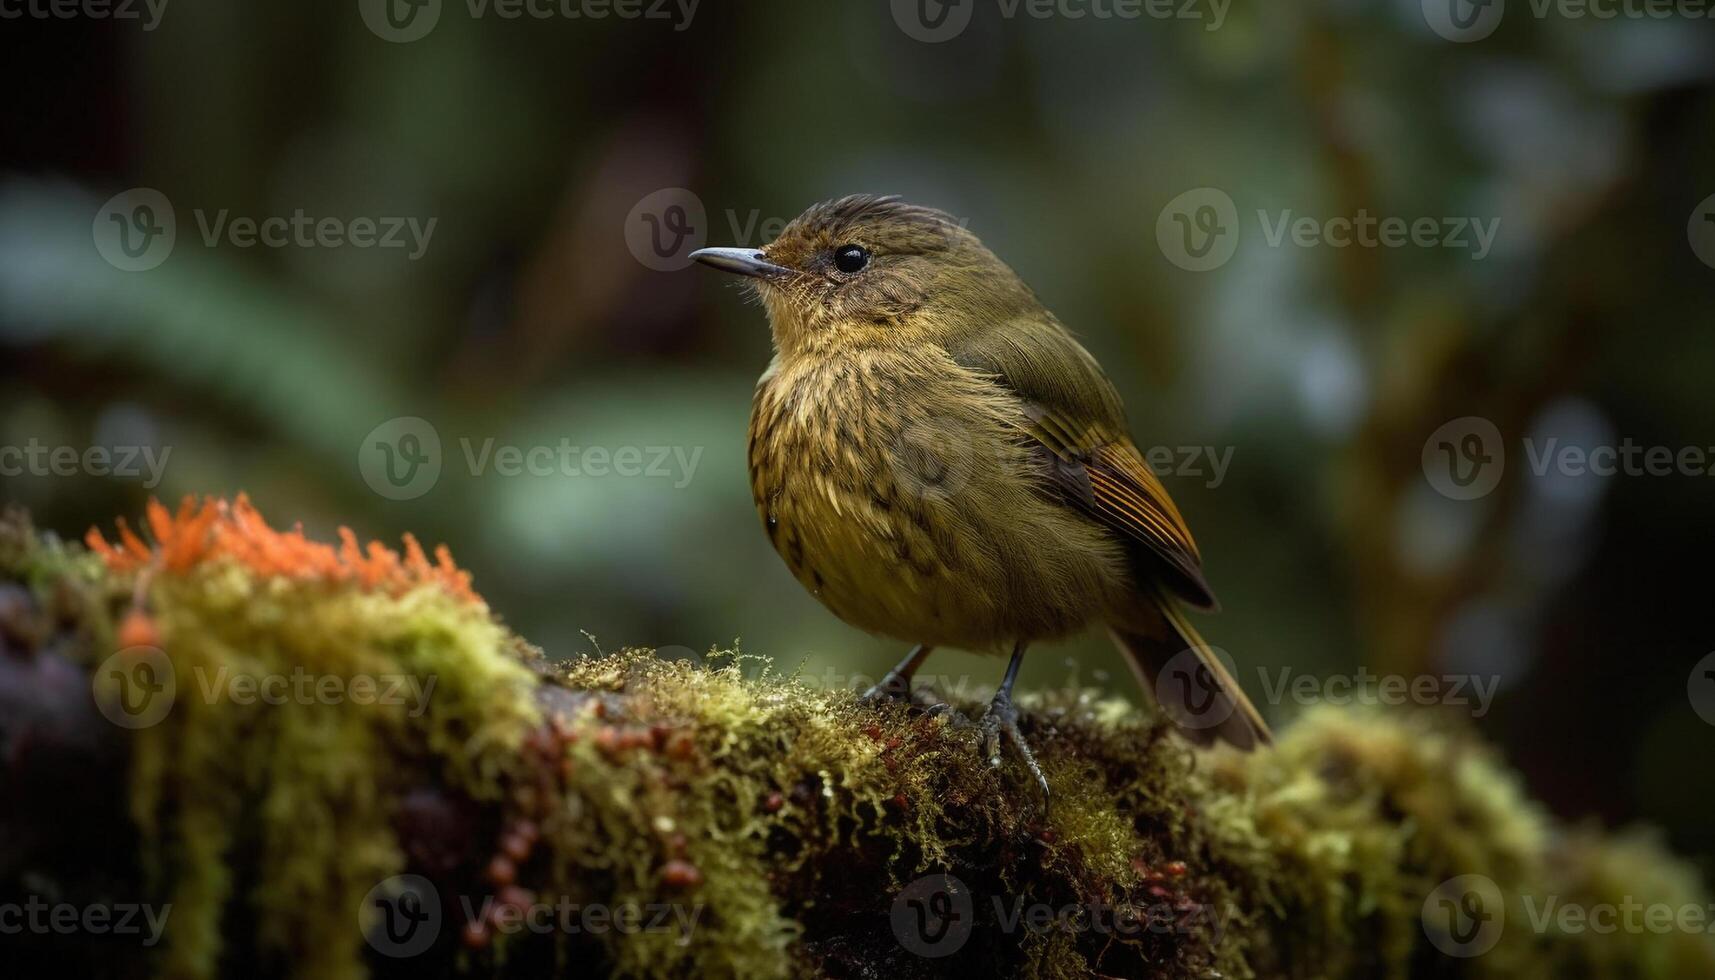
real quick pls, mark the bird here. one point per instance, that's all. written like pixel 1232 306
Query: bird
pixel 938 460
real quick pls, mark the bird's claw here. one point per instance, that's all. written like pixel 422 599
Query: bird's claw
pixel 1001 720
pixel 894 688
pixel 939 708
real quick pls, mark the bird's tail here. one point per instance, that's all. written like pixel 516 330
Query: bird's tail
pixel 1187 678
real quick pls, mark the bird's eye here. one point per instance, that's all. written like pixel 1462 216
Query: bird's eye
pixel 851 258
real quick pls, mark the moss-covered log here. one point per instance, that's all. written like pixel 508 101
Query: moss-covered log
pixel 282 758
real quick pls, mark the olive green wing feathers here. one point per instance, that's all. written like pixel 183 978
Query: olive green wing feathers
pixel 1077 418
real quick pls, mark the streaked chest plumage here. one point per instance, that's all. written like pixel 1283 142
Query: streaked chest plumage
pixel 900 492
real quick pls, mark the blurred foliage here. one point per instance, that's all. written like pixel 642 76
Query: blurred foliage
pixel 528 320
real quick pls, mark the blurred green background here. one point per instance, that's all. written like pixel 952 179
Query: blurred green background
pixel 536 312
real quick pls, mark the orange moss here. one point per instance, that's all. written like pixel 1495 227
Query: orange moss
pixel 215 529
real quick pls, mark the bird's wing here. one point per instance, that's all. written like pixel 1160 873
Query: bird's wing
pixel 1076 416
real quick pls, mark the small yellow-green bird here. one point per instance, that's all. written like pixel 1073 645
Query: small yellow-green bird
pixel 938 460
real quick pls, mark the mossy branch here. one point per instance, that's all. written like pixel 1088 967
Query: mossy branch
pixel 626 815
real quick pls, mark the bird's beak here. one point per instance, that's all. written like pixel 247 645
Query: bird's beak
pixel 744 261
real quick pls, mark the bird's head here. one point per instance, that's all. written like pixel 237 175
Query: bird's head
pixel 874 271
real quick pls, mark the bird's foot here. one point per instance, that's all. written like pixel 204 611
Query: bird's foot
pixel 895 687
pixel 1001 719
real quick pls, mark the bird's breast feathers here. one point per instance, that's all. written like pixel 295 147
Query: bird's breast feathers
pixel 904 492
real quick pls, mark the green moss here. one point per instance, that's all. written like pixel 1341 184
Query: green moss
pixel 280 811
pixel 781 821
pixel 1644 885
